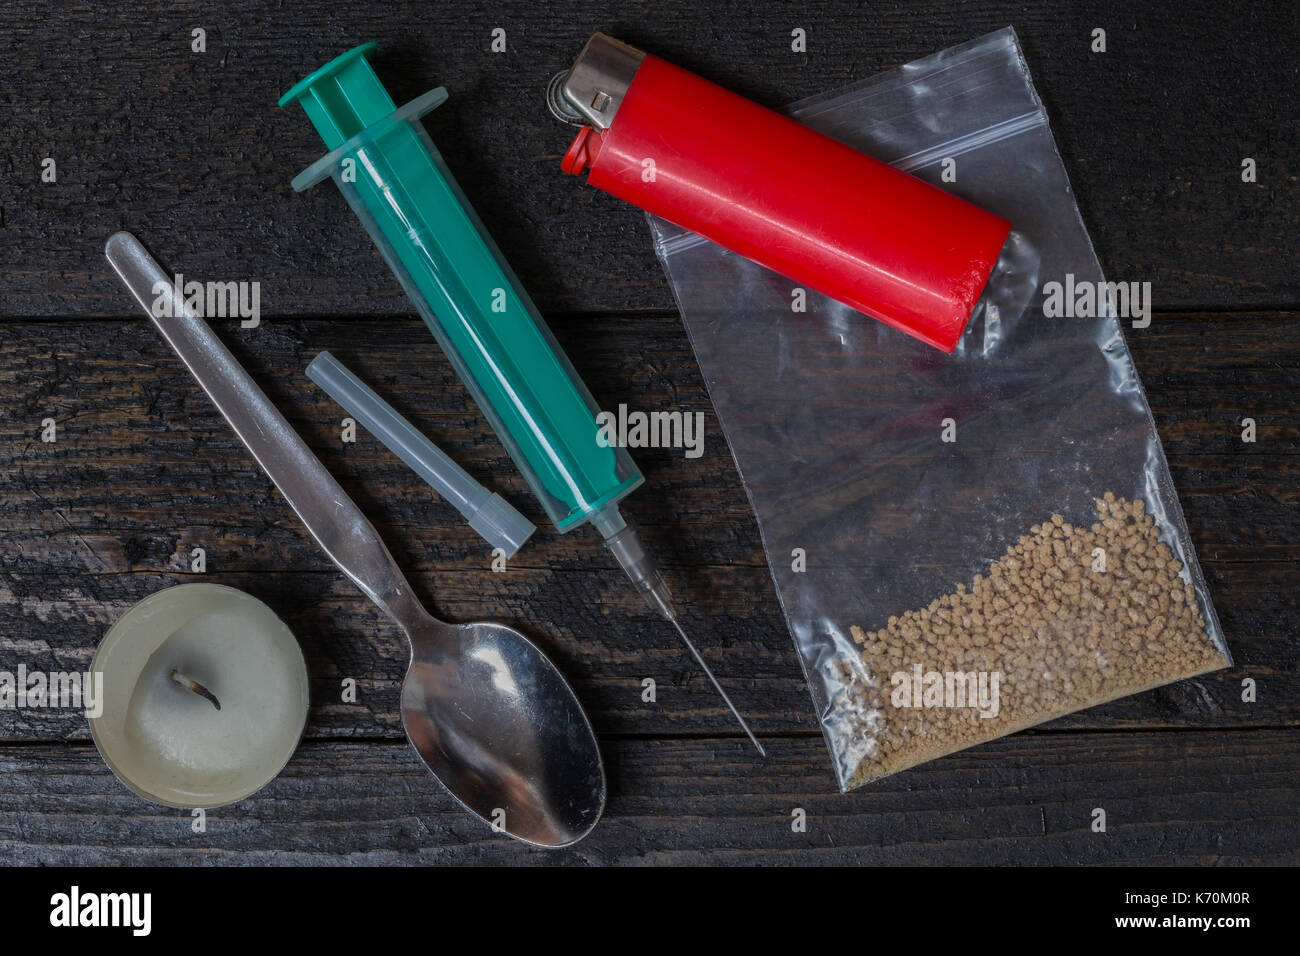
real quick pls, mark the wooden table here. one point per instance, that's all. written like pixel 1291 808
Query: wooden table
pixel 189 151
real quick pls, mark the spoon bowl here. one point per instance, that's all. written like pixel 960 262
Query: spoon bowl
pixel 500 728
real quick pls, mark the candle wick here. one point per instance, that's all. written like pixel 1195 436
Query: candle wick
pixel 194 687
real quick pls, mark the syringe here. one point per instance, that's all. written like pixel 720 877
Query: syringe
pixel 400 188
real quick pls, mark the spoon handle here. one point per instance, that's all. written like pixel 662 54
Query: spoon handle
pixel 332 517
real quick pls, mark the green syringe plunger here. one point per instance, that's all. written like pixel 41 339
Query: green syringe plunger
pixel 397 183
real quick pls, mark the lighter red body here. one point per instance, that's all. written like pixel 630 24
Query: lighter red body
pixel 813 209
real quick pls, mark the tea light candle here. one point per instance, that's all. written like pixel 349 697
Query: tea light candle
pixel 205 696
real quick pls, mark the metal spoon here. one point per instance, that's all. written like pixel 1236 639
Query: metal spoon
pixel 490 716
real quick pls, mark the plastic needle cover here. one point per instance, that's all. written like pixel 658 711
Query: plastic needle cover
pixel 487 513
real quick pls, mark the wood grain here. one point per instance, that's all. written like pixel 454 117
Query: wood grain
pixel 1208 798
pixel 138 440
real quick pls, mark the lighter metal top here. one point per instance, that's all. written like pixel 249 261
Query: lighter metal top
pixel 599 78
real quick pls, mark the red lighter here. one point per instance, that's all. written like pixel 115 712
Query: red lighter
pixel 773 190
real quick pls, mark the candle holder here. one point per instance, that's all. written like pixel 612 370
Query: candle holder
pixel 205 696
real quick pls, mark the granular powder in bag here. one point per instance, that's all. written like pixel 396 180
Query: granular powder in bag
pixel 1068 618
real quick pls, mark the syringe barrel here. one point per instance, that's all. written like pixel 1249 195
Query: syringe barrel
pixel 400 188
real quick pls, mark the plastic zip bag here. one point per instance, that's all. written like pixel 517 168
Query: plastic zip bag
pixel 964 545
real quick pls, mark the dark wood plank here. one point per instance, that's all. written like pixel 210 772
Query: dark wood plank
pixel 139 439
pixel 606 645
pixel 1205 798
pixel 191 151
pixel 146 469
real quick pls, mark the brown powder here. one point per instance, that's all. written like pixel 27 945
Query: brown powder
pixel 1068 618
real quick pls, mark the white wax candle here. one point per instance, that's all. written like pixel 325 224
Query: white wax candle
pixel 173 745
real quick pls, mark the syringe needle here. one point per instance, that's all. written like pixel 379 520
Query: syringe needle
pixel 623 544
pixel 718 687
